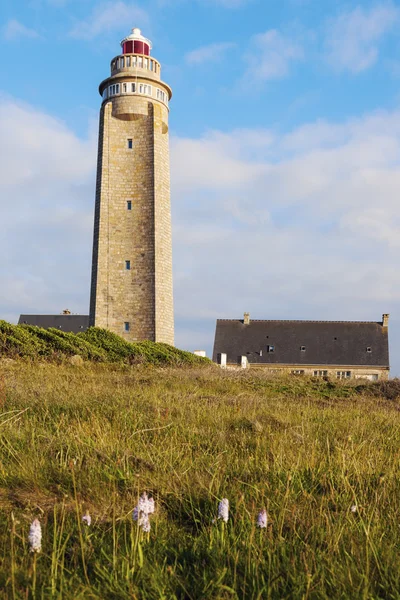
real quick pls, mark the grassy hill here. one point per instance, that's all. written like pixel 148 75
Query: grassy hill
pixel 95 344
pixel 95 437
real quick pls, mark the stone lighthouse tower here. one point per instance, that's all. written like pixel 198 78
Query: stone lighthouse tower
pixel 131 288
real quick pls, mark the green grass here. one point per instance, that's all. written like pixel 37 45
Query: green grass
pixel 95 344
pixel 94 437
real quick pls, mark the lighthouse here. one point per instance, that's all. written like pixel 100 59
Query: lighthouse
pixel 131 285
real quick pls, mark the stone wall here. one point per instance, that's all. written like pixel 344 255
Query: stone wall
pixel 141 296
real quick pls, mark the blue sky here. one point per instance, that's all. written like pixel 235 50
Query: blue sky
pixel 285 147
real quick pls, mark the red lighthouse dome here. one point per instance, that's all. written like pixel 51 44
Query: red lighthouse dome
pixel 136 43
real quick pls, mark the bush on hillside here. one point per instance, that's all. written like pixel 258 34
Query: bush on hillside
pixel 95 344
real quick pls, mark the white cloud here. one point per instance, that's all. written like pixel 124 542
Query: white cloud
pixel 353 38
pixel 206 54
pixel 14 30
pixel 110 16
pixel 305 226
pixel 47 178
pixel 271 55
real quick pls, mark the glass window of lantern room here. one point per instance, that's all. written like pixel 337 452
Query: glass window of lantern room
pixel 151 65
pixel 146 63
pixel 141 61
pixel 134 61
pixel 128 61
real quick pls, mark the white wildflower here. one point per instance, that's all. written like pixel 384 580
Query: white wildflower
pixel 145 523
pixel 223 510
pixel 262 519
pixel 35 536
pixel 87 519
pixel 354 508
pixel 141 512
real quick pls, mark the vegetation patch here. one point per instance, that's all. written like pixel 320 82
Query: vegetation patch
pixel 79 446
pixel 95 344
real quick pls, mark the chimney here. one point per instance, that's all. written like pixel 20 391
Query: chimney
pixel 385 320
pixel 246 319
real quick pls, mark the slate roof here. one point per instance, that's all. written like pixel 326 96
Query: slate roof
pixel 67 323
pixel 325 342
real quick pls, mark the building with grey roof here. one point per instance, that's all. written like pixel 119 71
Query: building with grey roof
pixel 340 349
pixel 65 322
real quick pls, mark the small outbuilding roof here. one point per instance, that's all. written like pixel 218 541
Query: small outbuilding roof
pixel 347 343
pixel 67 323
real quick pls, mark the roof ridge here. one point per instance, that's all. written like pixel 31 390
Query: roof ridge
pixel 297 321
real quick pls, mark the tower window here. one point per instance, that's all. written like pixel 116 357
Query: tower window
pixel 127 326
pixel 130 144
pixel 124 88
pixel 128 61
pixel 133 87
pixel 128 265
pixel 129 205
pixel 117 88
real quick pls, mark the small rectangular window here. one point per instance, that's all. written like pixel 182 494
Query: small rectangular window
pixel 124 88
pixel 297 372
pixel 133 88
pixel 151 65
pixel 128 265
pixel 320 373
pixel 117 88
pixel 270 348
pixel 130 144
pixel 141 88
pixel 129 205
pixel 343 374
pixel 127 326
pixel 140 63
pixel 146 63
pixel 113 89
pixel 128 61
pixel 134 61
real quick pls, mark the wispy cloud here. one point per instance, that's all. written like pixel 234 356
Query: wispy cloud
pixel 109 17
pixel 271 55
pixel 13 30
pixel 211 53
pixel 353 38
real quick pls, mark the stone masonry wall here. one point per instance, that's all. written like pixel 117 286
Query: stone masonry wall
pixel 142 295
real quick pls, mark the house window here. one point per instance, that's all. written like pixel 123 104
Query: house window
pixel 369 349
pixel 129 205
pixel 127 326
pixel 343 374
pixel 128 265
pixel 297 372
pixel 320 373
pixel 303 348
pixel 130 144
pixel 270 348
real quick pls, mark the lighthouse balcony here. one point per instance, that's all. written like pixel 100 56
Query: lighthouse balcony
pixel 135 63
pixel 126 88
